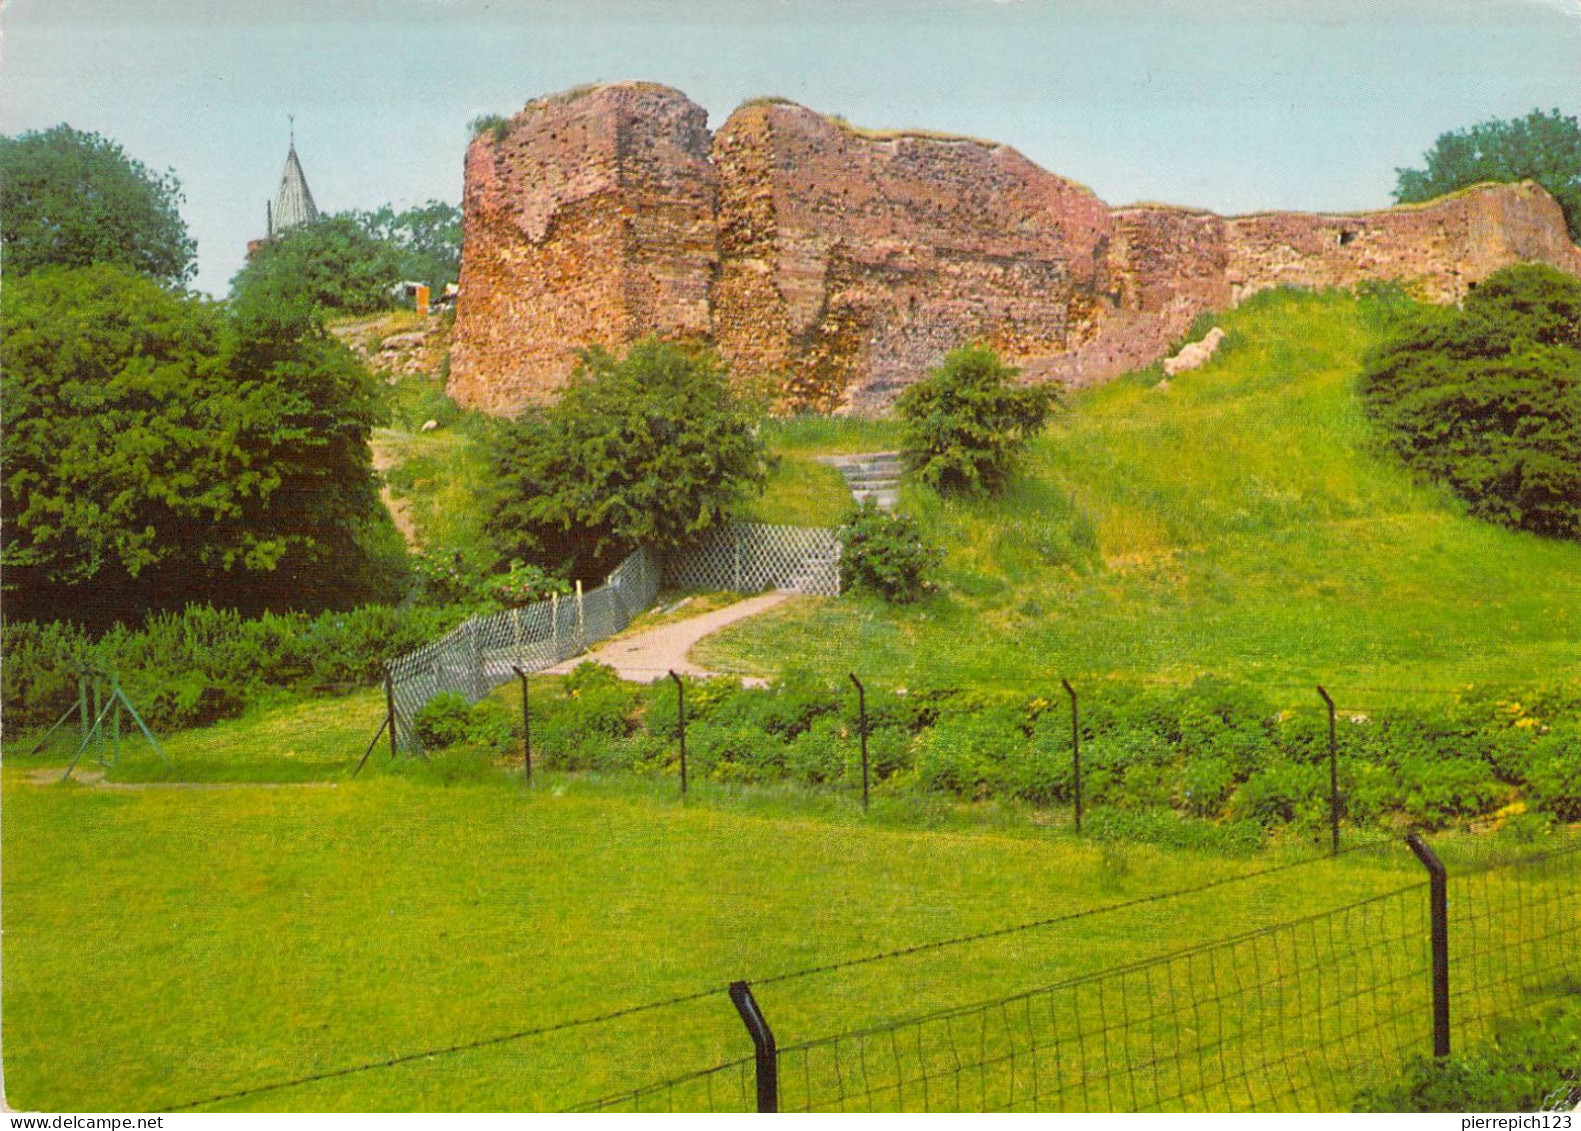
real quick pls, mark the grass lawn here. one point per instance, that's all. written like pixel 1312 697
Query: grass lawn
pixel 1240 521
pixel 167 943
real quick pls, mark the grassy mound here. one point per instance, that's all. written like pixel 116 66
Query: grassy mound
pixel 1242 520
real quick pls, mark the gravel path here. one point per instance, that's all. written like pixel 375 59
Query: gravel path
pixel 652 655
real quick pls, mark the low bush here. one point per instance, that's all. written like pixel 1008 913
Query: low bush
pixel 442 721
pixel 1530 1065
pixel 200 665
pixel 883 552
pixel 1553 776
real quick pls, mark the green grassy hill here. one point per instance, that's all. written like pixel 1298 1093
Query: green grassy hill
pixel 1241 520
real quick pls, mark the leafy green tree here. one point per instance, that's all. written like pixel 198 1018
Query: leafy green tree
pixel 70 199
pixel 966 422
pixel 426 239
pixel 1542 147
pixel 155 453
pixel 648 449
pixel 332 266
pixel 1487 398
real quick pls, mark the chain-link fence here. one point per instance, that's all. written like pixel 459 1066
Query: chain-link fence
pixel 748 557
pixel 486 651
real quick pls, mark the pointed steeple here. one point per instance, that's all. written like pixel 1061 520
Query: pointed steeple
pixel 293 203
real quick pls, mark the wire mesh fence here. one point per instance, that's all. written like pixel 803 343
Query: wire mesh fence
pixel 484 652
pixel 748 557
pixel 1298 1016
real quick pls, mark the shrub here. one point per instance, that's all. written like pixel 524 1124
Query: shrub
pixel 524 584
pixel 1553 778
pixel 736 753
pixel 1044 775
pixel 1440 791
pixel 966 422
pixel 493 727
pixel 653 448
pixel 1283 792
pixel 443 721
pixel 497 126
pixel 969 754
pixel 884 553
pixel 1530 1065
pixel 1206 784
pixel 816 756
pixel 1487 398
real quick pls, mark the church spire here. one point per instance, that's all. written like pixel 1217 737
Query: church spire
pixel 293 203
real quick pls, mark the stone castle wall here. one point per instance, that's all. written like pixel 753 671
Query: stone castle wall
pixel 840 264
pixel 591 220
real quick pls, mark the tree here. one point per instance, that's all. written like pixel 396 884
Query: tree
pixel 1542 147
pixel 1487 398
pixel 426 240
pixel 649 449
pixel 966 423
pixel 328 267
pixel 71 199
pixel 155 453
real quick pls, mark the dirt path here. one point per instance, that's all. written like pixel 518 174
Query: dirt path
pixel 652 655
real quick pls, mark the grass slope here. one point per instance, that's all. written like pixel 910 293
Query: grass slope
pixel 1240 520
pixel 169 943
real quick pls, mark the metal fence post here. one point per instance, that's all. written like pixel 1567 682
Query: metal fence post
pixel 389 703
pixel 581 623
pixel 680 706
pixel 1333 776
pixel 1075 748
pixel 1438 902
pixel 763 1042
pixel 861 727
pixel 526 729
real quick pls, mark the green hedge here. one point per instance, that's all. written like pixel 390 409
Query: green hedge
pixel 1154 761
pixel 202 664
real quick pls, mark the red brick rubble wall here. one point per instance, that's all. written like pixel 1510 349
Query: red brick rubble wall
pixel 837 265
pixel 590 220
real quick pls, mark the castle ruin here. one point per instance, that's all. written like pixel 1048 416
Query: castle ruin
pixel 840 264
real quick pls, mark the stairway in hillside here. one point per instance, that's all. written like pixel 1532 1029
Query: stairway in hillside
pixel 870 475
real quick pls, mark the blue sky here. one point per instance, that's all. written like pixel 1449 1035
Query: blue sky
pixel 1233 105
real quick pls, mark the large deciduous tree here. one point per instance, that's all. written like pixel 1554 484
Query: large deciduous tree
pixel 647 449
pixel 426 240
pixel 1542 147
pixel 156 452
pixel 71 199
pixel 1487 398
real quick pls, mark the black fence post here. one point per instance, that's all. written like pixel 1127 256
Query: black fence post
pixel 1333 776
pixel 763 1043
pixel 1438 902
pixel 389 703
pixel 680 706
pixel 1075 748
pixel 526 728
pixel 861 727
